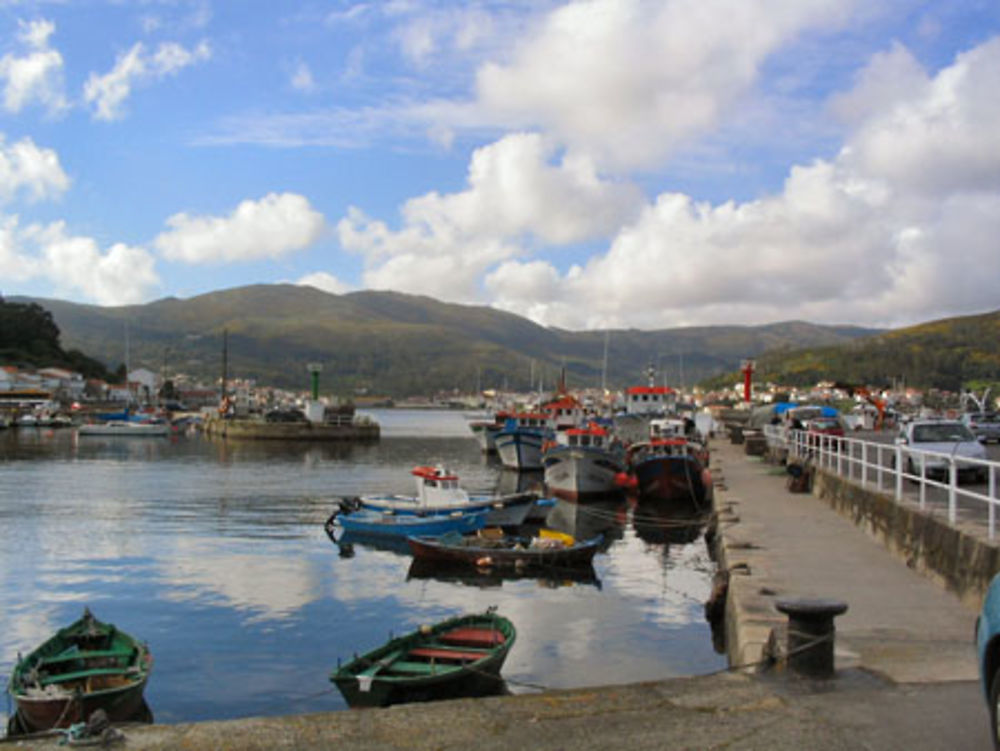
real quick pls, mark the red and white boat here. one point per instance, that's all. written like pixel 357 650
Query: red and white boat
pixel 583 462
pixel 439 494
pixel 670 470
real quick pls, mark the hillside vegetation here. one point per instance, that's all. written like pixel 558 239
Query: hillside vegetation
pixel 30 337
pixel 950 354
pixel 401 345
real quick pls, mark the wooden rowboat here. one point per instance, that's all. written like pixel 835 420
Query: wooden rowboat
pixel 549 550
pixel 85 666
pixel 458 657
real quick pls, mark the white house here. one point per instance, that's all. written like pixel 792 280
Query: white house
pixel 144 383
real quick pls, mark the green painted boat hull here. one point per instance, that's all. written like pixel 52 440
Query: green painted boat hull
pixel 401 671
pixel 83 667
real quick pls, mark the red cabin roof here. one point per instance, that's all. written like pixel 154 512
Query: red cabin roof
pixel 649 390
pixel 432 473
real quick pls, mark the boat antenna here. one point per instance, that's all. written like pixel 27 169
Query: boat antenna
pixel 225 363
pixel 604 367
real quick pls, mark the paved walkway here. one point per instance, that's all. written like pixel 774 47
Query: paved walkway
pixel 899 624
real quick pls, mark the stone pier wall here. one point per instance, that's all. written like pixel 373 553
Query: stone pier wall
pixel 960 559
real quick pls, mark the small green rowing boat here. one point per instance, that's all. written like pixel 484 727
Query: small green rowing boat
pixel 458 657
pixel 83 667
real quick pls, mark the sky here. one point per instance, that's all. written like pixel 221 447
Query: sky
pixel 608 163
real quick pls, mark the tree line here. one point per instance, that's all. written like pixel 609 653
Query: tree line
pixel 29 337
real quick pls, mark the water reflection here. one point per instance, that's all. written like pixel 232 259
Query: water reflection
pixel 668 522
pixel 491 577
pixel 216 555
pixel 601 516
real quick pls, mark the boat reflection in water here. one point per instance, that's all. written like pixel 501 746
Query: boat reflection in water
pixel 491 577
pixel 664 522
pixel 346 541
pixel 604 515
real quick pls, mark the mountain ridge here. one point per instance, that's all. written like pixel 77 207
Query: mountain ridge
pixel 402 345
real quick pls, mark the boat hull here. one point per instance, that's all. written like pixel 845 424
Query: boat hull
pixel 86 666
pixel 486 436
pixel 678 479
pixel 520 449
pixel 125 429
pixel 501 511
pixel 401 525
pixel 121 705
pixel 391 674
pixel 484 556
pixel 577 473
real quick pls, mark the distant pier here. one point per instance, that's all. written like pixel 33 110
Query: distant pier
pixel 248 428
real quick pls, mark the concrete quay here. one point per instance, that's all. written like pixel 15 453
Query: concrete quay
pixel 906 673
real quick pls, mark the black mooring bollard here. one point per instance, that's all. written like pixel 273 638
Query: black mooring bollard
pixel 811 634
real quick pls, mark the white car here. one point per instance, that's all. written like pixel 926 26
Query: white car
pixel 949 437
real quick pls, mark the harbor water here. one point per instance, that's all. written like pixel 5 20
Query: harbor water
pixel 215 553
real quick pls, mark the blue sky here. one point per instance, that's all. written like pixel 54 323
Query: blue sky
pixel 585 164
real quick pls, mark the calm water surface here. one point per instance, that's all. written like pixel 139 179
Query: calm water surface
pixel 215 554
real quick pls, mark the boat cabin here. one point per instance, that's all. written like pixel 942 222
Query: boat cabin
pixel 667 427
pixel 436 485
pixel 565 412
pixel 529 420
pixel 592 436
pixel 649 400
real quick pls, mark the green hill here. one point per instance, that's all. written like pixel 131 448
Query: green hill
pixel 401 345
pixel 29 337
pixel 949 354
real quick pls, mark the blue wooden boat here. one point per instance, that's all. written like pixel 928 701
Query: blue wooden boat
pixel 370 522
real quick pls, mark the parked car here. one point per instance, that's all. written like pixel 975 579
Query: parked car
pixel 826 426
pixel 942 437
pixel 985 425
pixel 988 654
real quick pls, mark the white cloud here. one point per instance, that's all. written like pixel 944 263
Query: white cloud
pixel 37 76
pixel 302 78
pixel 108 93
pixel 900 226
pixel 26 167
pixel 516 193
pixel 75 264
pixel 321 280
pixel 945 136
pixel 275 225
pixel 628 81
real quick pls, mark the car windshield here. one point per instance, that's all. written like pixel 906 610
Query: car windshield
pixel 945 432
pixel 824 424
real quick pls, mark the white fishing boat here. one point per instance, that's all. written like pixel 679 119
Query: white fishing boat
pixel 125 428
pixel 520 442
pixel 583 462
pixel 439 493
pixel 486 431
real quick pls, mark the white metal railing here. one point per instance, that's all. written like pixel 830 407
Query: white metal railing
pixel 885 466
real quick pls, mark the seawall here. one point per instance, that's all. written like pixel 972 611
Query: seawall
pixel 960 559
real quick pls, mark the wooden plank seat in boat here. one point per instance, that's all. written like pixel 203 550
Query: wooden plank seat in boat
pixel 381 663
pixel 448 653
pixel 80 674
pixel 472 637
pixel 86 655
pixel 421 668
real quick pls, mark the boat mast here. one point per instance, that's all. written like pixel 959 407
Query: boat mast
pixel 225 364
pixel 604 367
